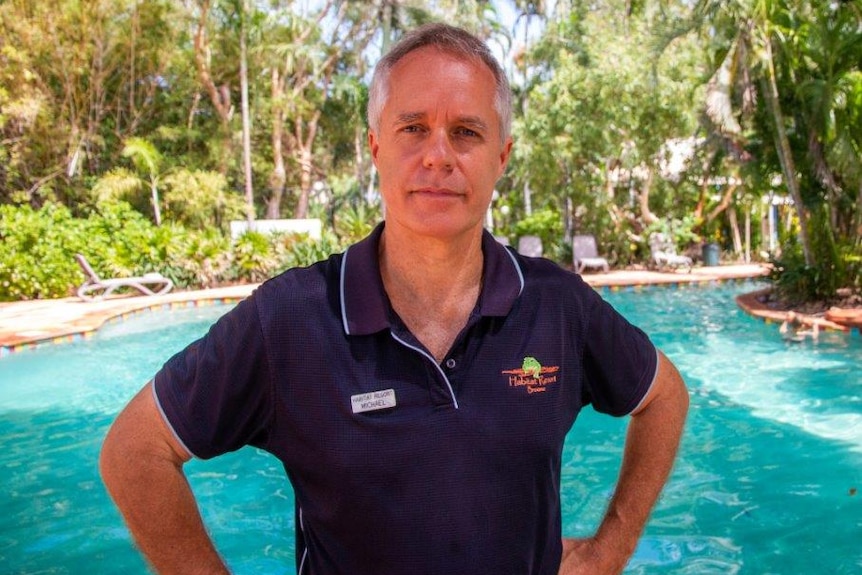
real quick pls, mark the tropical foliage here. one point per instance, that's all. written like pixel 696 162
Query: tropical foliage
pixel 139 130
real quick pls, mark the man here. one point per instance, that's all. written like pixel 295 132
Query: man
pixel 417 388
pixel 793 328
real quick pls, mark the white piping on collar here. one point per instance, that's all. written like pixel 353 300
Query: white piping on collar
pixel 517 268
pixel 342 282
pixel 341 291
pixel 433 361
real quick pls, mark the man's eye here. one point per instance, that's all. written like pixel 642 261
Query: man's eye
pixel 411 129
pixel 467 132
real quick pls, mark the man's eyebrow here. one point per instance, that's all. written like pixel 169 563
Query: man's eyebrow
pixel 409 117
pixel 472 122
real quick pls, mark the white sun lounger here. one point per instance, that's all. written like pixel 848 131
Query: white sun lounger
pixel 586 254
pixel 664 253
pixel 96 288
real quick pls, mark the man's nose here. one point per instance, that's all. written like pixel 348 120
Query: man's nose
pixel 438 153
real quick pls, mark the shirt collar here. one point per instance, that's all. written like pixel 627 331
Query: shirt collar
pixel 365 305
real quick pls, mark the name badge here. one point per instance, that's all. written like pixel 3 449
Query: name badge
pixel 383 399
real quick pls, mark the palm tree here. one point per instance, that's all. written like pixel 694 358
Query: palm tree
pixel 147 159
pixel 798 64
pixel 747 35
pixel 828 88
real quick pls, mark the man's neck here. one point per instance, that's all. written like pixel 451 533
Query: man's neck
pixel 430 267
pixel 432 284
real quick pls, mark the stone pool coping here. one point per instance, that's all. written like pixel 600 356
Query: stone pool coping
pixel 29 324
pixel 750 303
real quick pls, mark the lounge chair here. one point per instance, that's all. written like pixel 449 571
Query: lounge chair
pixel 586 254
pixel 664 253
pixel 95 288
pixel 530 246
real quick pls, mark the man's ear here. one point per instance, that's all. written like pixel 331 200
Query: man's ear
pixel 504 156
pixel 373 145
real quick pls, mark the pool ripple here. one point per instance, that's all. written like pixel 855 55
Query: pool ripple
pixel 695 555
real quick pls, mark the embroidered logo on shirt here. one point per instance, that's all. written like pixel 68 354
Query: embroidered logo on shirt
pixel 532 375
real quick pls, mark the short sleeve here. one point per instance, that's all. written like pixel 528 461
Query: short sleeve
pixel 216 393
pixel 620 361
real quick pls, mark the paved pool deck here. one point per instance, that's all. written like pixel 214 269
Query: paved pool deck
pixel 28 324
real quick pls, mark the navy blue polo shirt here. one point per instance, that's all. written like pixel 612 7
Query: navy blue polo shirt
pixel 401 464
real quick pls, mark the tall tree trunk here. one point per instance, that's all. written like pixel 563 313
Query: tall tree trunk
pixel 826 177
pixel 154 193
pixel 643 199
pixel 278 176
pixel 246 127
pixel 734 231
pixel 858 216
pixel 219 95
pixel 305 182
pixel 782 144
pixel 306 164
pixel 387 26
pixel 725 202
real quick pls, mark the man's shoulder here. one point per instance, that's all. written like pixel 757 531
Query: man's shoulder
pixel 544 272
pixel 301 283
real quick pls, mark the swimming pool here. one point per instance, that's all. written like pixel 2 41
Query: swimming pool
pixel 766 482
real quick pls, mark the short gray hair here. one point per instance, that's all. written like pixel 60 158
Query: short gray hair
pixel 450 39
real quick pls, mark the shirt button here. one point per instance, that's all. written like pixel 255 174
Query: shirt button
pixel 451 363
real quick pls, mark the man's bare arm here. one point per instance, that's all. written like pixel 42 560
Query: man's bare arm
pixel 141 464
pixel 651 444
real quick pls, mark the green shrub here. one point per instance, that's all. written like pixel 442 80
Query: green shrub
pixel 257 256
pixel 197 259
pixel 254 257
pixel 548 225
pixel 679 230
pixel 837 264
pixel 122 242
pixel 352 223
pixel 36 248
pixel 200 198
pixel 306 251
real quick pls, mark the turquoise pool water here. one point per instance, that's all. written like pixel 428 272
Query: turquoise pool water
pixel 769 480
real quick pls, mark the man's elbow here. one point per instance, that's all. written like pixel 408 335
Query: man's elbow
pixel 675 394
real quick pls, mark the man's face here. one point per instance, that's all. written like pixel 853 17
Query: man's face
pixel 438 149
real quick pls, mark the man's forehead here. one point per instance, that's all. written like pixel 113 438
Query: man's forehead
pixel 434 78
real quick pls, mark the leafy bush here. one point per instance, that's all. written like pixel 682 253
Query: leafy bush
pixel 548 225
pixel 680 230
pixel 254 257
pixel 352 223
pixel 258 256
pixel 200 198
pixel 836 266
pixel 197 258
pixel 122 242
pixel 306 251
pixel 35 251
